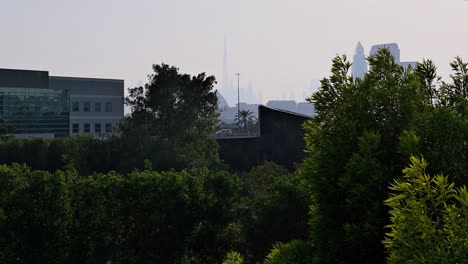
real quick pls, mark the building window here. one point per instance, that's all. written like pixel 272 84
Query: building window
pixel 86 107
pixel 76 106
pixel 108 128
pixel 76 128
pixel 97 107
pixel 97 128
pixel 86 128
pixel 108 107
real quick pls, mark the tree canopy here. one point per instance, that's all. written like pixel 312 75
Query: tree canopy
pixel 172 118
pixel 364 131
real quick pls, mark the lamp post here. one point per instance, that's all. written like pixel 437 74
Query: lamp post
pixel 238 93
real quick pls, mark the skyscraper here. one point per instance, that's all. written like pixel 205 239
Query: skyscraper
pixel 226 88
pixel 393 47
pixel 395 50
pixel 225 69
pixel 359 67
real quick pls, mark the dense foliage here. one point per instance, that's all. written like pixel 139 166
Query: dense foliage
pixel 171 121
pixel 360 140
pixel 428 218
pixel 278 203
pixel 83 153
pixel 144 217
pixel 296 251
pixel 85 200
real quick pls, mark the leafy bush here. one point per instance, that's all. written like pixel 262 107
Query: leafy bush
pixel 279 205
pixel 233 257
pixel 143 217
pixel 298 252
pixel 429 218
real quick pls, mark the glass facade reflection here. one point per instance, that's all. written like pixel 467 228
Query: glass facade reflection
pixel 36 110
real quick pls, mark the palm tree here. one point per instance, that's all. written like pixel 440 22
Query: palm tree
pixel 245 119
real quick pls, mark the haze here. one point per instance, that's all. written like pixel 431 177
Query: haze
pixel 279 46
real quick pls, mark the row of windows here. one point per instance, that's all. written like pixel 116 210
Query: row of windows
pixel 36 110
pixel 87 128
pixel 87 107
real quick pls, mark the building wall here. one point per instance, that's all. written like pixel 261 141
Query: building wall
pixel 281 141
pixel 29 106
pixel 24 78
pixel 33 111
pixel 288 105
pixel 86 93
pixel 282 136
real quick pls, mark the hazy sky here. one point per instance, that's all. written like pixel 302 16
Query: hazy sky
pixel 280 46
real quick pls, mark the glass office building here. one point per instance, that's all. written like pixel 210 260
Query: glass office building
pixel 35 104
pixel 36 111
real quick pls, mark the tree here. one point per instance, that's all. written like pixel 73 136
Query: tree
pixel 296 251
pixel 144 217
pixel 353 154
pixel 35 216
pixel 429 218
pixel 245 120
pixel 455 94
pixel 442 128
pixel 279 206
pixel 174 115
pixel 233 257
pixel 5 129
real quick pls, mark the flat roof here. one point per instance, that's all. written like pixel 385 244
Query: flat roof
pixel 24 78
pixel 285 111
pixel 10 72
pixel 86 78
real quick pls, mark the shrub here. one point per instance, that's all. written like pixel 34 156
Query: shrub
pixel 429 218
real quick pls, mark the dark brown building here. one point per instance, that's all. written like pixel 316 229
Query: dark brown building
pixel 281 140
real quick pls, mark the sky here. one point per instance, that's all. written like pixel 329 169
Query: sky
pixel 279 46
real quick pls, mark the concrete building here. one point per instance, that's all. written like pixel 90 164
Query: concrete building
pixel 96 105
pixel 39 105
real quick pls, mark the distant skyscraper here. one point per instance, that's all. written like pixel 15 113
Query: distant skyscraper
pixel 393 47
pixel 225 85
pixel 359 67
pixel 395 50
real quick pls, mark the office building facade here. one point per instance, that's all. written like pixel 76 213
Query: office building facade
pixel 38 105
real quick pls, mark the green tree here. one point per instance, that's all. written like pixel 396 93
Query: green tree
pixel 279 206
pixel 172 119
pixel 296 251
pixel 429 218
pixel 5 129
pixel 233 257
pixel 35 216
pixel 245 120
pixel 442 128
pixel 353 154
pixel 455 94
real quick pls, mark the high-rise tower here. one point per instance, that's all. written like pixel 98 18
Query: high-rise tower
pixel 395 50
pixel 359 67
pixel 225 69
pixel 393 47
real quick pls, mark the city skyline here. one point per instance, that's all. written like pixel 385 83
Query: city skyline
pixel 277 46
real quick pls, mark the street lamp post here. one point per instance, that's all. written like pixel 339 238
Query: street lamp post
pixel 238 93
